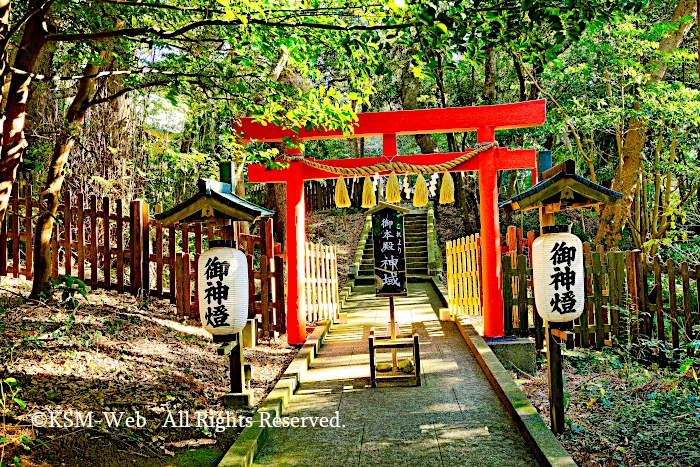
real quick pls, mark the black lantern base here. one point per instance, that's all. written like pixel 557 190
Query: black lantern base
pixel 222 339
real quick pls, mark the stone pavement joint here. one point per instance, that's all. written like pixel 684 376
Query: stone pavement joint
pixel 454 419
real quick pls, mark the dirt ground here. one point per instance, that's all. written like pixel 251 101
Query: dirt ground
pixel 114 353
pixel 342 231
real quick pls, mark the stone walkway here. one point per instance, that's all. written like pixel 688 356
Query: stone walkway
pixel 453 419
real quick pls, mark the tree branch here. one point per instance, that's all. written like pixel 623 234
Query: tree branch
pixel 121 92
pixel 135 32
pixel 141 71
pixel 25 18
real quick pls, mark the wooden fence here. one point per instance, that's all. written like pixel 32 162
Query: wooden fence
pixel 627 296
pixel 464 275
pixel 100 243
pixel 321 282
pixel 320 196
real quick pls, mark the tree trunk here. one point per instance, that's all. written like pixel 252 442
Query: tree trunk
pixel 240 191
pixel 613 217
pixel 490 76
pixel 13 142
pixel 410 91
pixel 276 200
pixel 49 198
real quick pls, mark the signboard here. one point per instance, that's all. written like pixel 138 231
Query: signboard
pixel 558 274
pixel 389 253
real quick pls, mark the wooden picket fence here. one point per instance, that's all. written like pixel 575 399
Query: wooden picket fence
pixel 321 282
pixel 320 196
pixel 100 243
pixel 464 275
pixel 627 297
pixel 267 301
pixel 93 240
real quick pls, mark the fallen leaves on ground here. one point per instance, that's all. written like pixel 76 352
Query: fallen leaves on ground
pixel 117 353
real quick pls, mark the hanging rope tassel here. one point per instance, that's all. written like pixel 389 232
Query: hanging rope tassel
pixel 393 192
pixel 342 200
pixel 447 189
pixel 420 193
pixel 368 198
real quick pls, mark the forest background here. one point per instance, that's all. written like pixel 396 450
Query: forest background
pixel 139 99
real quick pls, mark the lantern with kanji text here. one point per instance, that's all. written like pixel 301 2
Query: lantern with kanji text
pixel 558 275
pixel 223 288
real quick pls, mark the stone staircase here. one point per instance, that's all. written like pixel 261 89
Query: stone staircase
pixel 416 238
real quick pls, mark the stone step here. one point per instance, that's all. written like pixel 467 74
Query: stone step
pixel 416 243
pixel 417 259
pixel 417 272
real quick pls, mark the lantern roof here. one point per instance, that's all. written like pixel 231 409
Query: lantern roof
pixel 214 199
pixel 562 188
pixel 382 205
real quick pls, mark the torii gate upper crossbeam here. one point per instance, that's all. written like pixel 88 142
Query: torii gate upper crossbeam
pixel 484 120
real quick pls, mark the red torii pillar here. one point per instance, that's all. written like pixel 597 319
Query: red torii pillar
pixel 485 120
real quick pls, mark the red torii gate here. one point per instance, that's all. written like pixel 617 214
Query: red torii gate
pixel 485 120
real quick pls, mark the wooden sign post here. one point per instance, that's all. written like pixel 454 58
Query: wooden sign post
pixel 389 260
pixel 390 281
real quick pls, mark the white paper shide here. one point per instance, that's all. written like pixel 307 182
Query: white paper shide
pixel 223 290
pixel 558 273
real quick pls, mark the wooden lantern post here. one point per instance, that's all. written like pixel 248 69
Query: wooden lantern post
pixel 558 188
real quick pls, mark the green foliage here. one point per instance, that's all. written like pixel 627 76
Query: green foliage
pixel 623 413
pixel 69 287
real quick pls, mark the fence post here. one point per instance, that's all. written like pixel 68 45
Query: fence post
pixel 633 311
pixel 279 295
pixel 598 300
pixel 523 320
pixel 107 242
pixel 28 230
pixel 186 286
pixel 672 303
pixel 119 208
pixel 660 332
pixel 3 247
pixel 15 230
pixel 136 246
pixel 81 234
pixel 687 317
pixel 177 292
pixel 507 296
pixel 146 251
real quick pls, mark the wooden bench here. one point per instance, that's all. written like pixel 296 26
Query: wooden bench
pixel 397 342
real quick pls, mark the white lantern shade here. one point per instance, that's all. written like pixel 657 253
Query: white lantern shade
pixel 223 289
pixel 558 276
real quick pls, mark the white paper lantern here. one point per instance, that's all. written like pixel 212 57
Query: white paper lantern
pixel 223 288
pixel 558 275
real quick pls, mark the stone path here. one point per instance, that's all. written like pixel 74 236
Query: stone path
pixel 453 419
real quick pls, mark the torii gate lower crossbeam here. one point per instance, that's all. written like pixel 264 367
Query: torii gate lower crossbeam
pixel 485 120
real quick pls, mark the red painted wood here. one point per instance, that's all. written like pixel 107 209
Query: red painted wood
pixel 389 148
pixel 408 122
pixel 492 283
pixel 505 159
pixel 296 239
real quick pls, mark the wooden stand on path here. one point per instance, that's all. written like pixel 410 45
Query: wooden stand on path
pixel 394 342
